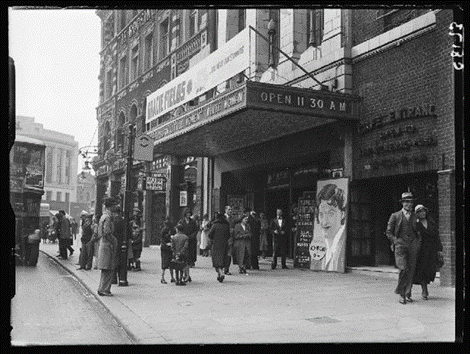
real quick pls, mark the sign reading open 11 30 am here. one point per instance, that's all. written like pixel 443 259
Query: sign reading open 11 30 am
pixel 143 148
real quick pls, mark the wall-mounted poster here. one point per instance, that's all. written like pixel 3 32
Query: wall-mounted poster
pixel 328 246
pixel 236 202
pixel 183 198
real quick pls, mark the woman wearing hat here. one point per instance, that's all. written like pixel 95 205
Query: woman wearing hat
pixel 189 229
pixel 430 247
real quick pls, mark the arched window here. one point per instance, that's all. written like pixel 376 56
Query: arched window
pixel 133 114
pixel 106 137
pixel 120 132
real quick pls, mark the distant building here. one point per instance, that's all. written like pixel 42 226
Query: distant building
pixel 86 191
pixel 60 182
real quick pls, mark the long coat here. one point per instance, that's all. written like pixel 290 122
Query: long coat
pixel 427 256
pixel 107 250
pixel 393 231
pixel 190 229
pixel 219 234
pixel 242 245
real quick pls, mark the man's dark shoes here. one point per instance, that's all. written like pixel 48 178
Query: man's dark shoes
pixel 227 273
pixel 273 266
pixel 285 267
pixel 103 293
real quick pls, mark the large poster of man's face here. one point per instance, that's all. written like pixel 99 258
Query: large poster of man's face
pixel 328 246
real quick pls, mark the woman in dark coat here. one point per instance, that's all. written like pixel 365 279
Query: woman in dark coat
pixel 430 247
pixel 165 248
pixel 218 236
pixel 242 245
pixel 190 229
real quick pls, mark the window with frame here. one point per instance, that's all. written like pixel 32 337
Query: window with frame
pixel 175 30
pixel 60 154
pixel 135 63
pixel 148 54
pixel 241 20
pixel 122 21
pixel 49 195
pixel 109 84
pixel 193 16
pixel 315 19
pixel 67 197
pixel 68 166
pixel 58 197
pixel 49 152
pixel 123 72
pixel 164 46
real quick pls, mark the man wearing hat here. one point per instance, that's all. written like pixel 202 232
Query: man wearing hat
pixel 107 248
pixel 87 233
pixel 406 243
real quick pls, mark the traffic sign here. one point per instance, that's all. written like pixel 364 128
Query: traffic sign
pixel 143 148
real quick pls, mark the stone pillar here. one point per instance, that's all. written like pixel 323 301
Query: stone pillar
pixel 446 192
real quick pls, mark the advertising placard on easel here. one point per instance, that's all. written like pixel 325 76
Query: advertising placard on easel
pixel 304 234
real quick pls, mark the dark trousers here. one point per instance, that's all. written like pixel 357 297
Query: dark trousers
pixel 406 255
pixel 63 244
pixel 106 280
pixel 279 249
pixel 228 259
pixel 90 250
pixel 255 252
pixel 82 259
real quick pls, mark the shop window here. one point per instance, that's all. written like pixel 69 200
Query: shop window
pixel 164 46
pixel 148 52
pixel 315 20
pixel 135 63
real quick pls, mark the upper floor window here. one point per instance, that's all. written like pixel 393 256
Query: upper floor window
pixel 315 27
pixel 60 157
pixel 175 29
pixel 148 52
pixel 123 72
pixel 49 152
pixel 67 197
pixel 59 196
pixel 164 47
pixel 49 195
pixel 193 23
pixel 241 20
pixel 68 166
pixel 109 84
pixel 135 63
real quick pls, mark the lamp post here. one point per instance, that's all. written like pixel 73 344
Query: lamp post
pixel 127 207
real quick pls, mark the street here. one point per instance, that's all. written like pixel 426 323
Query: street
pixel 268 306
pixel 52 308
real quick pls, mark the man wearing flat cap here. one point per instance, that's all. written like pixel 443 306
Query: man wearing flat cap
pixel 406 243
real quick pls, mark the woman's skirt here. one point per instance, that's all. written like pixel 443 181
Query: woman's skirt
pixel 166 256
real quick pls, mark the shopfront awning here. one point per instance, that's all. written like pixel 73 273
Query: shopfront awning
pixel 248 115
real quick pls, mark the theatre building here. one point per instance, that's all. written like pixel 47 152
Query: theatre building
pixel 361 94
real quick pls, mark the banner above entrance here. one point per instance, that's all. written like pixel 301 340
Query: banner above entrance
pixel 221 65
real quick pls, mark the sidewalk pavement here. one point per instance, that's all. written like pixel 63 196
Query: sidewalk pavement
pixel 268 306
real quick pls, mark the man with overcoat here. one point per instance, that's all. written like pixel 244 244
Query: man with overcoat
pixel 87 233
pixel 406 244
pixel 107 250
pixel 231 221
pixel 279 229
pixel 255 225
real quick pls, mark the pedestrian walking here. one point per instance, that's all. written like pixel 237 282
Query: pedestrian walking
pixel 205 228
pixel 107 249
pixel 406 244
pixel 118 233
pixel 179 248
pixel 430 251
pixel 168 230
pixel 190 230
pixel 279 229
pixel 87 234
pixel 242 245
pixel 137 244
pixel 231 221
pixel 264 229
pixel 65 236
pixel 218 237
pixel 255 226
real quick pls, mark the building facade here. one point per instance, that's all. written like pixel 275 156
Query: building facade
pixel 60 182
pixel 365 94
pixel 86 191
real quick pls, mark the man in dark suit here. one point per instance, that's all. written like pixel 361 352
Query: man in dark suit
pixel 406 243
pixel 279 229
pixel 231 221
pixel 255 226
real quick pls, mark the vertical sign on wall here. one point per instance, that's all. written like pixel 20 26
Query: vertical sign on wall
pixel 327 249
pixel 183 198
pixel 304 234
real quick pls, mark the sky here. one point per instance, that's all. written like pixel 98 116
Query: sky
pixel 56 54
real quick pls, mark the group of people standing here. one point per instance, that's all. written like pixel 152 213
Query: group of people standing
pixel 417 247
pixel 228 239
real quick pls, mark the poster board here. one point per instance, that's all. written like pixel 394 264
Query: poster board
pixel 304 231
pixel 328 246
pixel 236 202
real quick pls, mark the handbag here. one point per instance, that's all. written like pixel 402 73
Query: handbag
pixel 439 260
pixel 177 264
